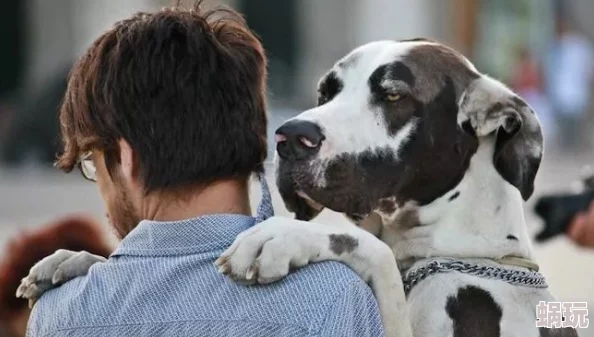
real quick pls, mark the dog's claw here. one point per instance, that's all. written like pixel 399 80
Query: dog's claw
pixel 24 288
pixel 249 275
pixel 27 290
pixel 21 289
pixel 220 261
pixel 58 277
pixel 224 269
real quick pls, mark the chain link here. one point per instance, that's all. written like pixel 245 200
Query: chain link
pixel 511 276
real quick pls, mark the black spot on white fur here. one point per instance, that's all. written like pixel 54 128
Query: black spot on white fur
pixel 511 237
pixel 454 196
pixel 474 313
pixel 340 243
pixel 329 87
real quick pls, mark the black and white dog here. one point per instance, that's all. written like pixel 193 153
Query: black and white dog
pixel 424 152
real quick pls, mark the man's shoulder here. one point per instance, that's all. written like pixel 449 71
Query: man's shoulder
pixel 305 300
pixel 313 296
pixel 328 278
pixel 53 311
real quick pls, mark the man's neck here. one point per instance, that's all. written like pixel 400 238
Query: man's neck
pixel 222 197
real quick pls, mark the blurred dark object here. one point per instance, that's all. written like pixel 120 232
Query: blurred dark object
pixel 33 129
pixel 276 23
pixel 557 211
pixel 13 33
pixel 74 232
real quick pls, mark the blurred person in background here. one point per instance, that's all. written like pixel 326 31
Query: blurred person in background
pixel 569 78
pixel 581 228
pixel 74 232
pixel 166 112
pixel 527 81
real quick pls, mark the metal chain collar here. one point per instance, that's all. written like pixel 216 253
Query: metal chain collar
pixel 511 276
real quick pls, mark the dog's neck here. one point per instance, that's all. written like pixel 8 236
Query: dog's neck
pixel 482 217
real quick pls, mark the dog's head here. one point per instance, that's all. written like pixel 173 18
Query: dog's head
pixel 398 122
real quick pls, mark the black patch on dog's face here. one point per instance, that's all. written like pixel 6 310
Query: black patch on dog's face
pixel 395 71
pixel 329 87
pixel 432 161
pixel 511 237
pixel 474 312
pixel 398 113
pixel 438 152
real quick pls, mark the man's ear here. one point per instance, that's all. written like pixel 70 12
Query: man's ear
pixel 489 109
pixel 127 161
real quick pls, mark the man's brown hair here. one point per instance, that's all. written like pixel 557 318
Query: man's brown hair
pixel 185 88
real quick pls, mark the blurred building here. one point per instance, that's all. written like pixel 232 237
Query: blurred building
pixel 303 37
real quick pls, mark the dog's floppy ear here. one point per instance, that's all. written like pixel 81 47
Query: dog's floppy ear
pixel 488 108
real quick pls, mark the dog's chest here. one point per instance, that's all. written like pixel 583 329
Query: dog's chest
pixel 452 303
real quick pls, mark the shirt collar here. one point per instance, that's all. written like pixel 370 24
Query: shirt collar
pixel 191 236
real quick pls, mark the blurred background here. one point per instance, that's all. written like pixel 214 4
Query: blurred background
pixel 541 48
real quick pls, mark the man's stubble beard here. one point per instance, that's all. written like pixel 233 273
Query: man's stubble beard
pixel 124 217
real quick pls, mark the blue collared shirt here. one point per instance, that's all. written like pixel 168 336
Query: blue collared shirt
pixel 161 281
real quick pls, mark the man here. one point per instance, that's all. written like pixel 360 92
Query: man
pixel 166 112
pixel 569 81
pixel 581 228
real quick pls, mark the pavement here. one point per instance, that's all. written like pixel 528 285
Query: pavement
pixel 32 196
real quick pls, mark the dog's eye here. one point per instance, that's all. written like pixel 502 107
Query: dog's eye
pixel 393 97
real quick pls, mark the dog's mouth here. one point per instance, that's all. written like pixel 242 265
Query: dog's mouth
pixel 308 187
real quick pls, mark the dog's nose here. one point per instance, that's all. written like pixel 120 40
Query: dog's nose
pixel 298 139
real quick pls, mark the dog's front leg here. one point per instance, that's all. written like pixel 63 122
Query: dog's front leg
pixel 53 270
pixel 266 252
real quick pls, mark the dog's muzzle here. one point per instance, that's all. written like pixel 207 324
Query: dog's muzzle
pixel 298 140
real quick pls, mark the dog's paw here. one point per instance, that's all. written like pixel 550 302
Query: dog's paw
pixel 53 270
pixel 267 252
